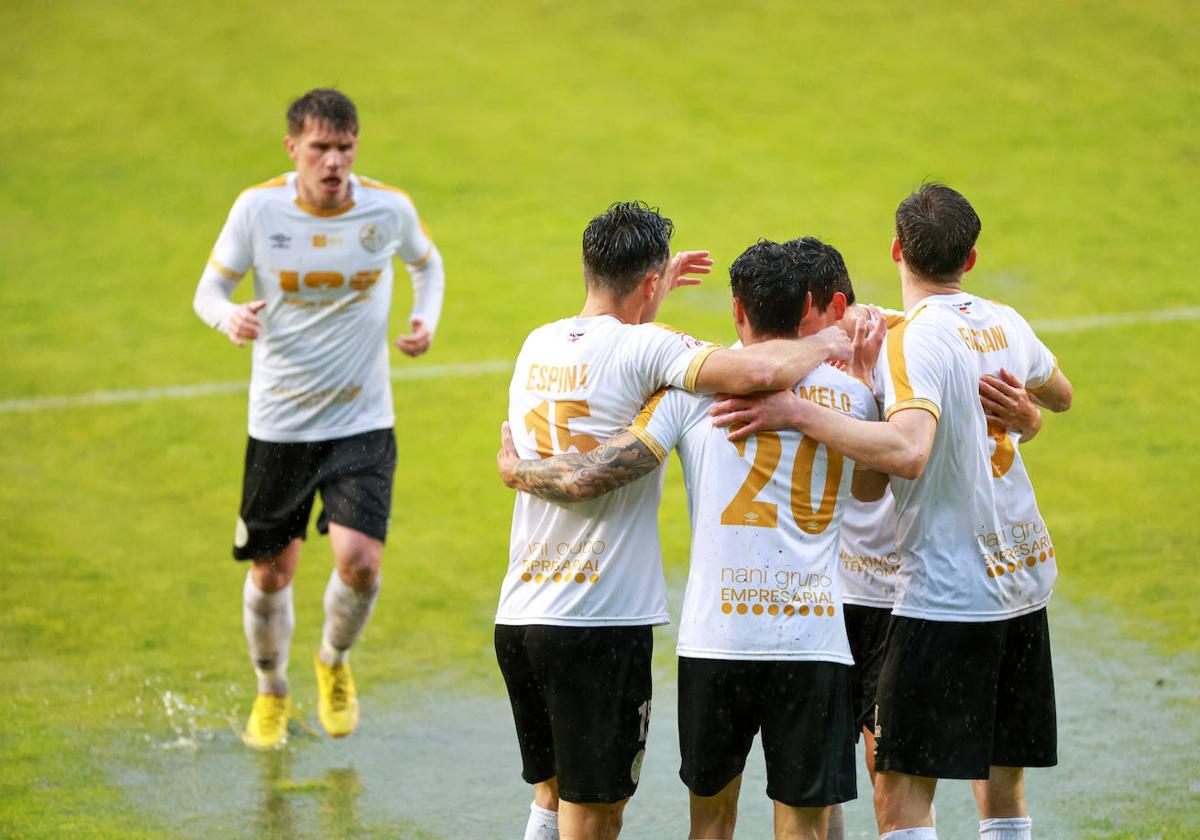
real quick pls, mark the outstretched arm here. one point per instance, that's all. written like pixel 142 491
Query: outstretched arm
pixel 621 459
pixel 771 365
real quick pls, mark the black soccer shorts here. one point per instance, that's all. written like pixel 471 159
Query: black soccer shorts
pixel 955 698
pixel 866 628
pixel 803 709
pixel 581 702
pixel 353 474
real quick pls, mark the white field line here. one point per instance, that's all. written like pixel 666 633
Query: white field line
pixel 486 367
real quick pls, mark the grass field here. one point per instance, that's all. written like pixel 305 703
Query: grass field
pixel 130 126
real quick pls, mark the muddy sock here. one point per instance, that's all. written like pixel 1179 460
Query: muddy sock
pixel 542 825
pixel 910 834
pixel 1009 828
pixel 837 824
pixel 268 619
pixel 346 613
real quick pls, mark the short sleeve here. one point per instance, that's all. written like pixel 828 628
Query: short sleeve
pixel 233 254
pixel 664 420
pixel 1040 361
pixel 415 243
pixel 863 401
pixel 913 375
pixel 658 355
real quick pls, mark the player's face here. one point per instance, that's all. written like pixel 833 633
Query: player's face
pixel 323 157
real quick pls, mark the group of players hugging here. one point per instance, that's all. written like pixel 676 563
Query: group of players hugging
pixel 867 556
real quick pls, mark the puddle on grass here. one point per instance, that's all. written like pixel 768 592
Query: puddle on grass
pixel 447 766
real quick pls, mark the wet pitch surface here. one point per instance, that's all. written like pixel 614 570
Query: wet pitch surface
pixel 446 766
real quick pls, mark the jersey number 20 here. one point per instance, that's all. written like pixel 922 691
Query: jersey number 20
pixel 745 509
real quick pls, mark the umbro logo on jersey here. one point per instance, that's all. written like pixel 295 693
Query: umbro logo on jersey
pixel 280 240
pixel 575 335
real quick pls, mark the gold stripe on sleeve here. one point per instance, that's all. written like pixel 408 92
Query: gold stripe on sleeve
pixel 693 371
pixel 923 404
pixel 420 262
pixel 1041 389
pixel 650 442
pixel 897 364
pixel 227 272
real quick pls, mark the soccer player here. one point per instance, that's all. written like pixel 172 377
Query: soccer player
pixel 321 241
pixel 584 583
pixel 761 640
pixel 966 686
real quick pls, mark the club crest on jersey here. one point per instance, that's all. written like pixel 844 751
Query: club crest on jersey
pixel 575 335
pixel 280 240
pixel 372 237
pixel 965 307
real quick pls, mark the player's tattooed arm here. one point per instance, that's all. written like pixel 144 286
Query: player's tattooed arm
pixel 576 477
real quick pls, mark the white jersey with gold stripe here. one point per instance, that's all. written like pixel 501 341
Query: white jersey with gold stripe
pixel 577 382
pixel 972 544
pixel 320 366
pixel 765 514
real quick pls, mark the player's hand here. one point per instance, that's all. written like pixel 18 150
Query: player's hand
pixel 508 457
pixel 1005 401
pixel 684 263
pixel 869 335
pixel 754 412
pixel 243 324
pixel 838 346
pixel 416 342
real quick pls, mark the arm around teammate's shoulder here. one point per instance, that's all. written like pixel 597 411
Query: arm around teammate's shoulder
pixel 770 365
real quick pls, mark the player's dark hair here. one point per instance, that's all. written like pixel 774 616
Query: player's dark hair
pixel 825 269
pixel 323 105
pixel 624 242
pixel 937 229
pixel 768 281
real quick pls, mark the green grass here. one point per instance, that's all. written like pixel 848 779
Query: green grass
pixel 130 127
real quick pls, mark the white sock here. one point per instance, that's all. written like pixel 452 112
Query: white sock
pixel 346 613
pixel 933 814
pixel 910 834
pixel 837 824
pixel 1008 828
pixel 268 619
pixel 542 825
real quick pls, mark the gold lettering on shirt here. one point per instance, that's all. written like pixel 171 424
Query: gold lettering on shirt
pixel 986 340
pixel 828 397
pixel 559 379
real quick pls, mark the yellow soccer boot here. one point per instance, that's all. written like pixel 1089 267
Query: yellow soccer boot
pixel 267 727
pixel 337 699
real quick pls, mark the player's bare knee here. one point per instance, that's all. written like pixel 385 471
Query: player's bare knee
pixel 272 574
pixel 359 570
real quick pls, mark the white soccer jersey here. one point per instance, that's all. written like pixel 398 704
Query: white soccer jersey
pixel 765 514
pixel 973 546
pixel 869 558
pixel 320 366
pixel 577 382
pixel 868 554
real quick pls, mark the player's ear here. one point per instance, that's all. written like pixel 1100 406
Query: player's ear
pixel 897 253
pixel 807 305
pixel 650 285
pixel 837 306
pixel 970 263
pixel 289 143
pixel 739 313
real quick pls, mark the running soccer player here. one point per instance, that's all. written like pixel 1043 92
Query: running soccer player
pixel 966 686
pixel 321 241
pixel 584 584
pixel 761 640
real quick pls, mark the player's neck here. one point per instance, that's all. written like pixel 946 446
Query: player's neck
pixel 916 288
pixel 628 310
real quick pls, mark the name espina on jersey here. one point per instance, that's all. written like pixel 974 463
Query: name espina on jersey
pixel 973 545
pixel 320 367
pixel 577 382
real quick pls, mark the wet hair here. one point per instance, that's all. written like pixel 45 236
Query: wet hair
pixel 768 280
pixel 825 270
pixel 322 105
pixel 937 229
pixel 624 242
